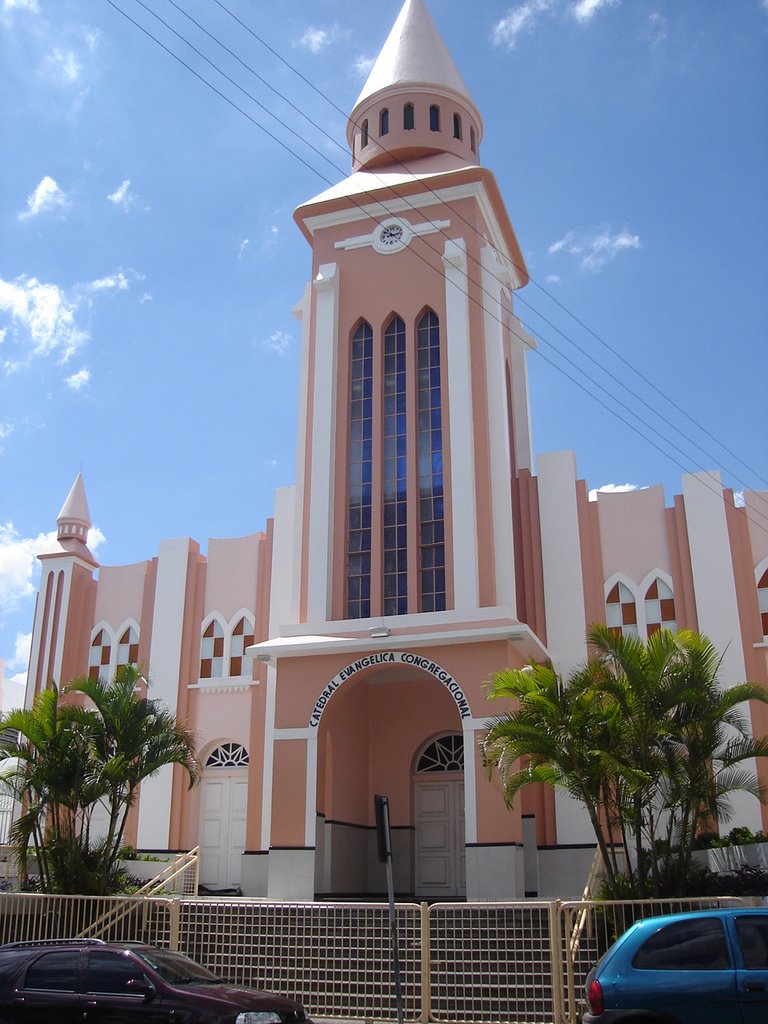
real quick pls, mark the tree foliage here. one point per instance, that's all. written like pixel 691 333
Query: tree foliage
pixel 70 762
pixel 643 734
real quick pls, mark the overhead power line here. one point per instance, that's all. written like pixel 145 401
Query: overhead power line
pixel 374 199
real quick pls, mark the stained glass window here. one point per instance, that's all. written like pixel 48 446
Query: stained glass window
pixel 395 471
pixel 430 467
pixel 360 475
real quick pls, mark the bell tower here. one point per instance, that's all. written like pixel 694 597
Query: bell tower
pixel 416 396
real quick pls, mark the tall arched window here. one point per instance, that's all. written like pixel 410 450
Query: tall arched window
pixel 434 118
pixel 620 611
pixel 360 475
pixel 384 122
pixel 395 471
pixel 457 126
pixel 432 595
pixel 128 648
pixel 240 663
pixel 409 121
pixel 659 607
pixel 100 653
pixel 472 142
pixel 212 651
pixel 762 597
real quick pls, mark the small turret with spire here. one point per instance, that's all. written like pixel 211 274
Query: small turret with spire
pixel 415 102
pixel 74 520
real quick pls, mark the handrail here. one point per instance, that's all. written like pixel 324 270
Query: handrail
pixel 154 887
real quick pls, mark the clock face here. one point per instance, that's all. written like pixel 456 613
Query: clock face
pixel 391 236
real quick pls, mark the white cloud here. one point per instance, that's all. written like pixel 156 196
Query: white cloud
pixel 117 280
pixel 122 196
pixel 146 297
pixel 315 39
pixel 519 19
pixel 18 565
pixel 78 380
pixel 21 5
pixel 657 28
pixel 585 10
pixel 19 570
pixel 6 429
pixel 361 66
pixel 613 489
pixel 47 196
pixel 553 279
pixel 45 313
pixel 278 342
pixel 243 246
pixel 65 64
pixel 14 685
pixel 596 248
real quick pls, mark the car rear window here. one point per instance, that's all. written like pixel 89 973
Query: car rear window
pixel 695 945
pixel 54 972
pixel 753 938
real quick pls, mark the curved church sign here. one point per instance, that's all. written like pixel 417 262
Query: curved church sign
pixel 391 658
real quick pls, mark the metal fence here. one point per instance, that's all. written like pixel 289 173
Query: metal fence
pixel 474 963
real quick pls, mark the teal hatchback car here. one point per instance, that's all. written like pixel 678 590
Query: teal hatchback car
pixel 704 967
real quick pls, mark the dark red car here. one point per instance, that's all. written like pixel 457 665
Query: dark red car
pixel 96 982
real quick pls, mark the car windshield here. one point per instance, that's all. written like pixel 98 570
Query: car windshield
pixel 177 969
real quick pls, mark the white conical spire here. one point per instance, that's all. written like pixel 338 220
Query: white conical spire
pixel 74 520
pixel 415 54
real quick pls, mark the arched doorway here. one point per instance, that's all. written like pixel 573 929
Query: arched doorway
pixel 438 803
pixel 223 809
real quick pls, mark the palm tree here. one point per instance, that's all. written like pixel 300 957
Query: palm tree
pixel 47 770
pixel 132 738
pixel 68 757
pixel 643 734
pixel 556 734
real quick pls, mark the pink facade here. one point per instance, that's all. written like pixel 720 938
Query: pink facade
pixel 342 652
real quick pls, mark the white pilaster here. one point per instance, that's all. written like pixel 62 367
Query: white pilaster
pixel 464 514
pixel 164 668
pixel 521 342
pixel 498 430
pixel 269 758
pixel 561 560
pixel 714 588
pixel 323 443
pixel 286 553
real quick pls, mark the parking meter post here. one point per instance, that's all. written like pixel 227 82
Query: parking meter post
pixel 383 840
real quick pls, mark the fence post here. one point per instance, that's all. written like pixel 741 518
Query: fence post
pixel 556 960
pixel 175 921
pixel 426 966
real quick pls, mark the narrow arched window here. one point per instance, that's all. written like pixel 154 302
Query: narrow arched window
pixel 128 648
pixel 384 122
pixel 429 447
pixel 100 653
pixel 360 468
pixel 620 611
pixel 408 117
pixel 212 651
pixel 457 126
pixel 434 118
pixel 395 471
pixel 472 141
pixel 659 607
pixel 240 663
pixel 365 133
pixel 762 597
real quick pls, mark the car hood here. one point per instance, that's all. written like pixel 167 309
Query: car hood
pixel 239 998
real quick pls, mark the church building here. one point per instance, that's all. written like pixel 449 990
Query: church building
pixel 342 650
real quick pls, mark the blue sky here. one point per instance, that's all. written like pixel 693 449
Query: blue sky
pixel 149 261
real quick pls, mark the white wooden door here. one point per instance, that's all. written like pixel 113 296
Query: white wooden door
pixel 440 841
pixel 223 805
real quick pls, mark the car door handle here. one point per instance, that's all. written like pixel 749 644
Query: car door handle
pixel 754 986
